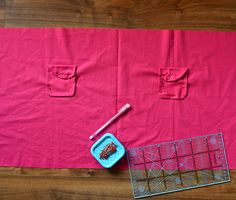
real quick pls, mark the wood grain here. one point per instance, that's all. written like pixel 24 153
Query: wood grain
pixel 64 184
pixel 2 13
pixel 158 14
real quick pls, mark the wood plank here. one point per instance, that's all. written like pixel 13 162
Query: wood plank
pixel 172 14
pixel 64 184
pixel 2 13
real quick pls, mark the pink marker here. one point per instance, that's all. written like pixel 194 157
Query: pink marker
pixel 119 113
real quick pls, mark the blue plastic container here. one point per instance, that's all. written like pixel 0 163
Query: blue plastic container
pixel 101 144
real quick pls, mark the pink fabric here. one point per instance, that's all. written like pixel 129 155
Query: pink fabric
pixel 61 80
pixel 58 86
pixel 173 83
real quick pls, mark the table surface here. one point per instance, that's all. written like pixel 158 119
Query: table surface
pixel 64 184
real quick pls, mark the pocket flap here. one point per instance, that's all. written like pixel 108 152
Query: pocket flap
pixel 63 71
pixel 172 74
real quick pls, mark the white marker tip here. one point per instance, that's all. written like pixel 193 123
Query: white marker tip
pixel 127 105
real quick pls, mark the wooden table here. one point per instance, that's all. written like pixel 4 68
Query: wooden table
pixel 72 184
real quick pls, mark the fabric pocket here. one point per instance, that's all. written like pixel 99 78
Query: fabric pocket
pixel 61 80
pixel 173 83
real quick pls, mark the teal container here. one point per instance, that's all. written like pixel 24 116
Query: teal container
pixel 101 144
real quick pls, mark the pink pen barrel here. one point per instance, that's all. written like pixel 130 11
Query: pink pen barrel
pixel 118 114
